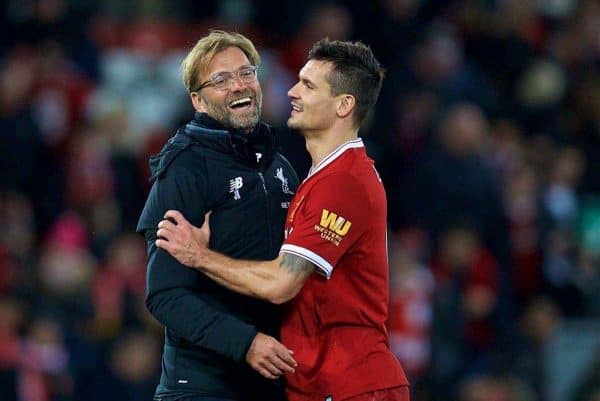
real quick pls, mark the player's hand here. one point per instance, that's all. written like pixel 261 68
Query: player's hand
pixel 184 241
pixel 269 357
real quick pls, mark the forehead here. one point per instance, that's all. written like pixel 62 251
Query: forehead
pixel 315 70
pixel 229 59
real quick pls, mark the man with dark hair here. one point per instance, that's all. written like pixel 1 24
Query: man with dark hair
pixel 332 266
pixel 223 160
pixel 355 71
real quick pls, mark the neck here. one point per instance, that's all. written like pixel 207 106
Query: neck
pixel 321 144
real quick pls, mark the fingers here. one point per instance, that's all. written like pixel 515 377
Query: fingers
pixel 281 358
pixel 282 366
pixel 164 233
pixel 206 226
pixel 166 229
pixel 167 224
pixel 269 357
pixel 264 372
pixel 163 244
pixel 272 369
pixel 175 215
pixel 285 361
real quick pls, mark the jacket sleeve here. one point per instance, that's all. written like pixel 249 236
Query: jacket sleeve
pixel 172 296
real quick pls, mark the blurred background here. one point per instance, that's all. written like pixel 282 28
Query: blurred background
pixel 487 134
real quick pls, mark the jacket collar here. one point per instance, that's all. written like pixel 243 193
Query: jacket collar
pixel 208 132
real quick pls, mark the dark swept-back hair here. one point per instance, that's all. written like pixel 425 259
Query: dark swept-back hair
pixel 355 71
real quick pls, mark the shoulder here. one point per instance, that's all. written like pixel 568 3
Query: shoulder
pixel 340 179
pixel 339 186
pixel 186 165
pixel 192 156
pixel 178 153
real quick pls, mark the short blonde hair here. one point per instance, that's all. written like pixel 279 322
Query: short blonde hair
pixel 197 60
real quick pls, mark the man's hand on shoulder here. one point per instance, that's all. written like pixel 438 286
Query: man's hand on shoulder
pixel 269 357
pixel 184 241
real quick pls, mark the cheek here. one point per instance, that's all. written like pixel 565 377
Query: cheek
pixel 324 106
pixel 255 87
pixel 218 98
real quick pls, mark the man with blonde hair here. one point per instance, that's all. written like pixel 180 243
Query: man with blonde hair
pixel 219 345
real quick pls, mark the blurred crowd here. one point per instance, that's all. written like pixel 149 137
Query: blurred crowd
pixel 487 135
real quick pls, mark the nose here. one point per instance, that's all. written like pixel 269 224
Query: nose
pixel 292 92
pixel 237 84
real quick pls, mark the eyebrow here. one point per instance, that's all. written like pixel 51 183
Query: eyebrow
pixel 237 69
pixel 306 81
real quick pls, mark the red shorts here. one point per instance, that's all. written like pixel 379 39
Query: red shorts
pixel 399 393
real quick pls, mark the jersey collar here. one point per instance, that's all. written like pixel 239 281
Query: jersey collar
pixel 330 158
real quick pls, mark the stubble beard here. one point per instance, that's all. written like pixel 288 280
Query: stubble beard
pixel 295 125
pixel 245 122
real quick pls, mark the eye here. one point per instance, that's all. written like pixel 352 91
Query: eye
pixel 308 85
pixel 247 73
pixel 220 80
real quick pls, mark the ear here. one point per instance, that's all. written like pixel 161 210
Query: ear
pixel 345 105
pixel 197 102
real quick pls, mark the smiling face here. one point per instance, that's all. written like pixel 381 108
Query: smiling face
pixel 236 107
pixel 313 104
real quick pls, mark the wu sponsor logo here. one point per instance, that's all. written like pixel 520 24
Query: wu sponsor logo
pixel 335 223
pixel 284 181
pixel 235 184
pixel 332 227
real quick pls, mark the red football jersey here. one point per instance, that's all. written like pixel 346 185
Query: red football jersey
pixel 335 325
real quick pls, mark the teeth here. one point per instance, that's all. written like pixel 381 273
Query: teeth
pixel 240 101
pixel 295 108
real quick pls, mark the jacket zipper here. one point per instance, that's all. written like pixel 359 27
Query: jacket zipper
pixel 266 191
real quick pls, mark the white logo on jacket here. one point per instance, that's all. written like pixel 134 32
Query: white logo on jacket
pixel 284 181
pixel 235 184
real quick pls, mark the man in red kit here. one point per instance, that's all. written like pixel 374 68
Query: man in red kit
pixel 332 266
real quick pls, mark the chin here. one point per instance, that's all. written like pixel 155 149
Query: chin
pixel 245 123
pixel 292 124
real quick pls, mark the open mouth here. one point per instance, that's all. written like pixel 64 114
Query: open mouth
pixel 242 103
pixel 295 108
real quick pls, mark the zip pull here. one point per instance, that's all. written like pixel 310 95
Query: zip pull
pixel 264 184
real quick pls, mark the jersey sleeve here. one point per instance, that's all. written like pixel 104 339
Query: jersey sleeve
pixel 331 218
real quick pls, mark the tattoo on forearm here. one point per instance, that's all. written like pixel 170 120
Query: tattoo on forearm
pixel 296 264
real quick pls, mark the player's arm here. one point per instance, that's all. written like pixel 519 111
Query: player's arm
pixel 276 281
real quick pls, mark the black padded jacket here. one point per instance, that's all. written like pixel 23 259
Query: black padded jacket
pixel 248 186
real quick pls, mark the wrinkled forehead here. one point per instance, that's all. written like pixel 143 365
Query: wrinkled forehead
pixel 227 60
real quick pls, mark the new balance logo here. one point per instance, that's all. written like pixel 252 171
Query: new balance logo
pixel 235 184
